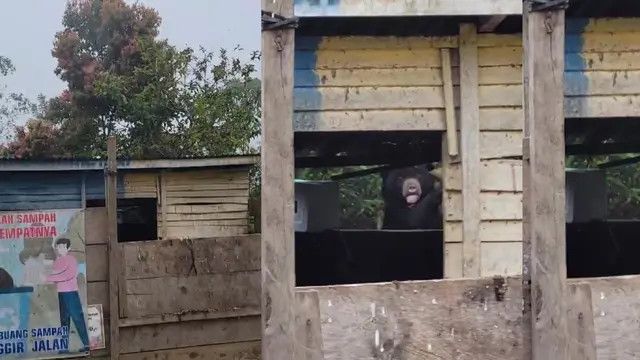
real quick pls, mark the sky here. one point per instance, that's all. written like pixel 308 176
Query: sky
pixel 28 28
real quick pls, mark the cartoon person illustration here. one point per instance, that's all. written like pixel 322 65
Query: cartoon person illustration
pixel 36 257
pixel 64 275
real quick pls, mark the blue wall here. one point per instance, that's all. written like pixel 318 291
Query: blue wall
pixel 50 190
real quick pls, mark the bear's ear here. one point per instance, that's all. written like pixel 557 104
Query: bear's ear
pixel 437 173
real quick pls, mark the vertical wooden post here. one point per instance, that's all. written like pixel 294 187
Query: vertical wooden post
pixel 544 265
pixel 278 278
pixel 470 153
pixel 163 203
pixel 449 107
pixel 111 198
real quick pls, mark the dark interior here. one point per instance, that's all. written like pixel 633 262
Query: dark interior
pixel 339 256
pixel 137 218
pixel 603 248
pixel 350 257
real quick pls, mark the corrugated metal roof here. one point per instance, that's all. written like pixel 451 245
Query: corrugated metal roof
pixel 13 165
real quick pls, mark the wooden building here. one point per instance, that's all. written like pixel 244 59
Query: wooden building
pixel 498 92
pixel 187 269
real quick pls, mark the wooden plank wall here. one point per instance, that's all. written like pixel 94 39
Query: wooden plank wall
pixel 388 83
pixel 501 120
pixel 186 298
pixel 203 203
pixel 182 299
pixel 469 319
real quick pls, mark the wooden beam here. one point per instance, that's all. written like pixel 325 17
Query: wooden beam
pixel 470 140
pixel 544 262
pixel 348 8
pixel 450 110
pixel 603 149
pixel 115 258
pixel 308 327
pixel 582 335
pixel 278 277
pixel 491 23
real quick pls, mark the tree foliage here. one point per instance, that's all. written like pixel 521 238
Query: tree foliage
pixel 361 203
pixel 623 184
pixel 159 100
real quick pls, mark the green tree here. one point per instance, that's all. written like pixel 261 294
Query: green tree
pixel 361 203
pixel 159 100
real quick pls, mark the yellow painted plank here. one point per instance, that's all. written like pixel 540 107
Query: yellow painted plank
pixel 422 97
pixel 209 200
pixel 493 206
pixel 399 43
pixel 500 144
pixel 374 42
pixel 505 55
pixel 609 41
pixel 365 98
pixel 500 95
pixel 609 25
pixel 211 216
pixel 370 77
pixel 603 82
pixel 452 260
pixel 603 61
pixel 490 231
pixel 362 59
pixel 490 75
pixel 501 259
pixel 497 118
pixel 200 232
pixel 495 175
pixel 382 120
pixel 602 106
pixel 501 118
pixel 205 209
pixel 197 193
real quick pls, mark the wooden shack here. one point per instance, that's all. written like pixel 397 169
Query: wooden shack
pixel 187 272
pixel 480 85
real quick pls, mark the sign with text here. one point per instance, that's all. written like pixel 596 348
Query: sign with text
pixel 43 284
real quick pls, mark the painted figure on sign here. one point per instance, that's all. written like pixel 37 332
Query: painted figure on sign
pixel 6 280
pixel 412 199
pixel 64 275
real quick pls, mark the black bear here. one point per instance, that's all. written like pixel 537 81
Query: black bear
pixel 412 199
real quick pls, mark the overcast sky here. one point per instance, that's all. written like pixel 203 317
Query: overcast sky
pixel 27 29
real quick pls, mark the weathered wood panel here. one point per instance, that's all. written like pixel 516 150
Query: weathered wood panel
pixel 453 260
pixel 501 258
pixel 544 267
pixel 495 175
pixel 381 120
pixel 200 204
pixel 95 224
pixel 310 8
pixel 308 345
pixel 97 262
pixel 500 144
pixel 490 231
pixel 412 76
pixel 235 351
pixel 493 206
pixel 189 334
pixel 399 42
pixel 615 311
pixel 98 293
pixel 582 336
pixel 215 293
pixel 448 319
pixel 169 258
pixel 470 97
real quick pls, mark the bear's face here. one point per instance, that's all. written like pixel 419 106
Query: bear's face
pixel 407 185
